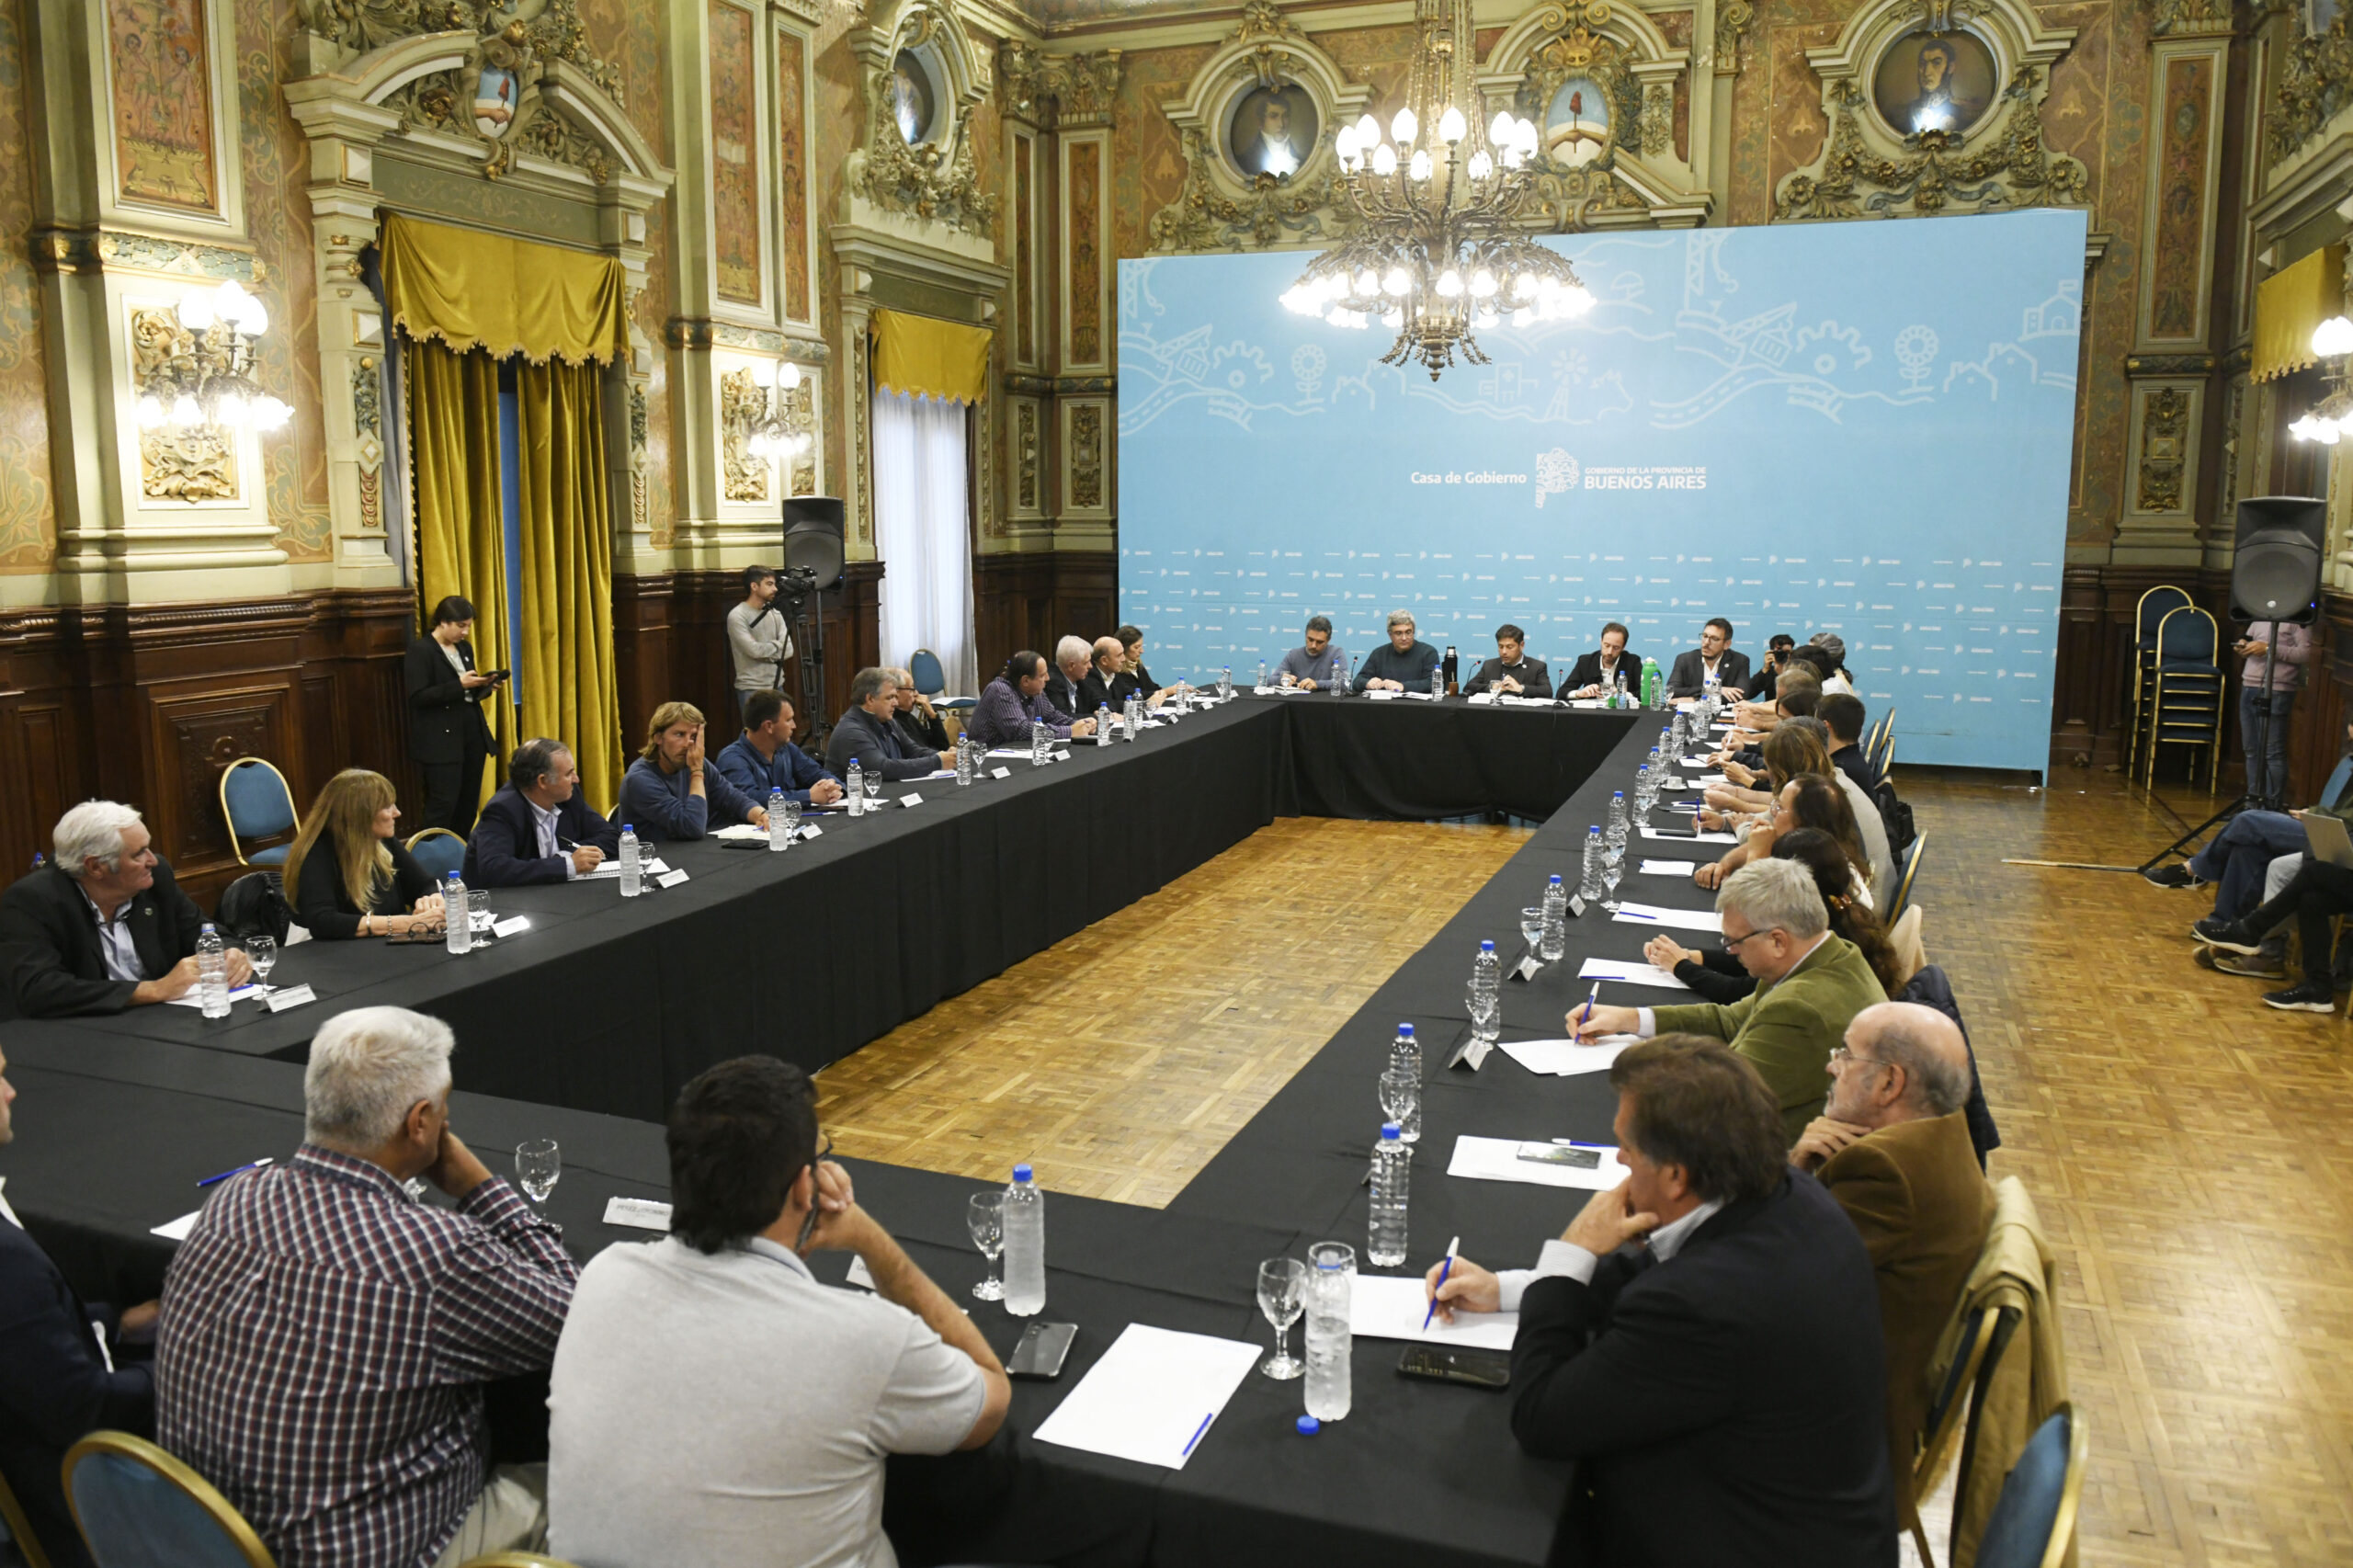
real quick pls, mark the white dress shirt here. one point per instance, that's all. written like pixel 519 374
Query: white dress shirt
pixel 116 952
pixel 544 816
pixel 1567 1260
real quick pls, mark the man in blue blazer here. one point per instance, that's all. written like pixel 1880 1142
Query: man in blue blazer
pixel 764 757
pixel 63 1373
pixel 1705 1337
pixel 537 828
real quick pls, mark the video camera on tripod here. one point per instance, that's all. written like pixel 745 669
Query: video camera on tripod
pixel 812 564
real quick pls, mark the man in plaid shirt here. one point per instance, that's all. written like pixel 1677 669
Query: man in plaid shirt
pixel 325 1336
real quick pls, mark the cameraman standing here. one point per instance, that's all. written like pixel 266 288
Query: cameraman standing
pixel 757 636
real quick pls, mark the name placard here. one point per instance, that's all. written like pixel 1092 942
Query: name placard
pixel 639 1213
pixel 289 996
pixel 670 879
pixel 911 798
pixel 810 830
pixel 511 925
pixel 1000 773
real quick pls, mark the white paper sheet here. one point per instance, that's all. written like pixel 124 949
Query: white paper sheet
pixel 1649 832
pixel 740 830
pixel 1668 867
pixel 1009 751
pixel 1658 914
pixel 1420 696
pixel 177 1230
pixel 1498 1159
pixel 1631 974
pixel 1152 1396
pixel 638 1213
pixel 1384 694
pixel 1387 1307
pixel 195 997
pixel 1566 1058
pixel 1278 690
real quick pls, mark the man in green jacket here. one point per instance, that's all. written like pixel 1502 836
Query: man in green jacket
pixel 1810 985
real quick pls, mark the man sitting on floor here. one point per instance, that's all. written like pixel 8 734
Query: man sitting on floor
pixel 537 828
pixel 2236 858
pixel 1893 1147
pixel 325 1336
pixel 1810 985
pixel 712 1405
pixel 671 792
pixel 764 758
pixel 1705 1337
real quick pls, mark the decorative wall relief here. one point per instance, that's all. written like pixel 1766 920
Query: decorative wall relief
pixel 1025 278
pixel 1024 457
pixel 160 63
pixel 2175 260
pixel 368 424
pixel 1086 457
pixel 1733 18
pixel 932 177
pixel 1084 272
pixel 741 404
pixel 735 153
pixel 641 514
pixel 803 405
pixel 1047 89
pixel 2165 445
pixel 1853 181
pixel 792 170
pixel 2316 82
pixel 177 462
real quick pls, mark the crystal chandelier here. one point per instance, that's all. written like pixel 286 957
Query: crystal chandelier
pixel 207 377
pixel 2332 420
pixel 1440 250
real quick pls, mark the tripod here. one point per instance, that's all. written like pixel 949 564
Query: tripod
pixel 2262 794
pixel 809 629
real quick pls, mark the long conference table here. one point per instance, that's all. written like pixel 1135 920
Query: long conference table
pixel 581 1029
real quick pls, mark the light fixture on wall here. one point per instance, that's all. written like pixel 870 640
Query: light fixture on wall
pixel 777 429
pixel 2332 420
pixel 206 376
pixel 1439 251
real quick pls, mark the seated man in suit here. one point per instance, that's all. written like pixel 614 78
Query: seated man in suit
pixel 1013 704
pixel 919 722
pixel 1073 659
pixel 1596 670
pixel 537 828
pixel 1317 664
pixel 64 1371
pixel 105 927
pixel 1106 685
pixel 1402 664
pixel 1705 1337
pixel 1511 672
pixel 1893 1147
pixel 1810 985
pixel 671 792
pixel 867 734
pixel 1715 656
pixel 764 757
pixel 1843 714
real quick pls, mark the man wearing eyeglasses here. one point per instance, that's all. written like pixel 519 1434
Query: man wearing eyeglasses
pixel 1894 1149
pixel 711 1404
pixel 1810 984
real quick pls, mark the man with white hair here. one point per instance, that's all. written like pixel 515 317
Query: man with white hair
pixel 1810 984
pixel 325 1336
pixel 102 928
pixel 1073 659
pixel 1894 1149
pixel 1402 664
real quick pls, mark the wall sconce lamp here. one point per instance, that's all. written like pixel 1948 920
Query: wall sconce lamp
pixel 2332 420
pixel 776 428
pixel 206 376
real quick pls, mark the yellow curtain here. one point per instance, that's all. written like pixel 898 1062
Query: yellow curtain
pixel 453 456
pixel 471 289
pixel 2288 304
pixel 931 358
pixel 567 564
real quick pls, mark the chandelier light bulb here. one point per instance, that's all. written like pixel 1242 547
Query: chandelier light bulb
pixel 1523 287
pixel 2333 339
pixel 269 414
pixel 1499 133
pixel 252 320
pixel 232 410
pixel 1367 284
pixel 1487 317
pixel 185 411
pixel 1523 317
pixel 788 375
pixel 1449 283
pixel 2327 432
pixel 1421 166
pixel 1385 160
pixel 1344 144
pixel 1368 132
pixel 1527 138
pixel 1392 320
pixel 1451 127
pixel 1482 284
pixel 151 411
pixel 1481 164
pixel 1396 283
pixel 762 374
pixel 196 313
pixel 1404 128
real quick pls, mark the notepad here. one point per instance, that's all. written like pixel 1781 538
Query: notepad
pixel 1498 1159
pixel 195 997
pixel 1152 1397
pixel 1384 1307
pixel 1658 914
pixel 1566 1058
pixel 1668 867
pixel 1631 974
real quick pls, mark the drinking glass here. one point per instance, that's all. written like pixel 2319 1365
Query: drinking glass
pixel 539 1164
pixel 1400 1102
pixel 984 1217
pixel 1487 1016
pixel 792 815
pixel 1531 926
pixel 261 951
pixel 873 788
pixel 1282 1296
pixel 1613 867
pixel 478 909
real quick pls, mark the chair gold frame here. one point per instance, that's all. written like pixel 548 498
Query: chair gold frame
pixel 198 1490
pixel 2144 663
pixel 1903 899
pixel 422 834
pixel 2188 689
pixel 2071 1489
pixel 1937 1440
pixel 237 844
pixel 21 1529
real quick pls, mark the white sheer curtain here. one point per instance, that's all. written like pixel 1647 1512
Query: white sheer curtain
pixel 921 504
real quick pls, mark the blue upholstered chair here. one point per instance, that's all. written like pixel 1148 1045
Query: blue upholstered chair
pixel 931 681
pixel 2034 1518
pixel 438 852
pixel 139 1507
pixel 257 804
pixel 2187 707
pixel 2154 605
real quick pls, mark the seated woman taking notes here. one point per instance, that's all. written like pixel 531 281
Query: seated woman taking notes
pixel 348 875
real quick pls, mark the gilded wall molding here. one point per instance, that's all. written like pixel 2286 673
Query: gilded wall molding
pixel 177 462
pixel 934 180
pixel 2316 84
pixel 1733 18
pixel 1050 90
pixel 2189 18
pixel 742 402
pixel 77 250
pixel 2165 445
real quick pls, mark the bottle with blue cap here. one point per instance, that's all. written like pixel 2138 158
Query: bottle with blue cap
pixel 1392 1171
pixel 1487 992
pixel 1025 1245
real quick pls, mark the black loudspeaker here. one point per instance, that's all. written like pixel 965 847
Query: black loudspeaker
pixel 2274 570
pixel 812 539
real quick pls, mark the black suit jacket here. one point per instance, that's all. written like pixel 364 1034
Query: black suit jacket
pixel 1095 691
pixel 504 849
pixel 919 733
pixel 875 744
pixel 1530 672
pixel 443 716
pixel 1588 672
pixel 1728 1403
pixel 1065 695
pixel 1689 675
pixel 54 1388
pixel 49 943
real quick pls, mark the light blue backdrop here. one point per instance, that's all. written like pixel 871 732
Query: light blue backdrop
pixel 1860 428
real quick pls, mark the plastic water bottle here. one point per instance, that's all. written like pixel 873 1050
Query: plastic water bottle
pixel 1224 682
pixel 1438 680
pixel 1331 1284
pixel 780 836
pixel 854 788
pixel 1405 1052
pixel 1132 716
pixel 1025 1245
pixel 1645 787
pixel 965 763
pixel 1556 938
pixel 1262 672
pixel 1040 739
pixel 1403 1103
pixel 1711 689
pixel 630 885
pixel 213 972
pixel 456 918
pixel 1102 723
pixel 1618 820
pixel 1589 886
pixel 1486 989
pixel 1393 1174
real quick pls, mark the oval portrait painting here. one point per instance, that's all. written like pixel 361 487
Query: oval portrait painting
pixel 1272 130
pixel 1933 82
pixel 910 99
pixel 1576 122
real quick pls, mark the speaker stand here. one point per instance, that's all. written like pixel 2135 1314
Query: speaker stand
pixel 2248 801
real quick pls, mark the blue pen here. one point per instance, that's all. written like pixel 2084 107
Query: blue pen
pixel 1624 914
pixel 1591 997
pixel 225 1176
pixel 1196 1435
pixel 1573 1144
pixel 1444 1269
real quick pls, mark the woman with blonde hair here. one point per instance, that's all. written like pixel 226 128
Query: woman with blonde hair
pixel 348 875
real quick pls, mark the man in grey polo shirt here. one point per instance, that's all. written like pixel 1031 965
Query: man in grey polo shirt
pixel 712 1405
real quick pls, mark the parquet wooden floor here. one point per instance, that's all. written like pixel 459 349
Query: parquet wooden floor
pixel 2186 1145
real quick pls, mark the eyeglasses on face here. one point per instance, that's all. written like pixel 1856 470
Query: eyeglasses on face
pixel 1844 1054
pixel 809 1222
pixel 1731 944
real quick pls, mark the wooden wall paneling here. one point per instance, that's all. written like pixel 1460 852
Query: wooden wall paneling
pixel 195 728
pixel 641 654
pixel 42 735
pixel 1087 597
pixel 1012 608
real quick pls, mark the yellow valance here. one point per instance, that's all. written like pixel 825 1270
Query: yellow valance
pixel 476 291
pixel 2288 304
pixel 929 357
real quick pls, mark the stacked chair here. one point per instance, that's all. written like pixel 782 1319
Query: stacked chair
pixel 2186 689
pixel 2154 605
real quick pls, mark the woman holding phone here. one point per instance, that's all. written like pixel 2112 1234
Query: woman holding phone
pixel 448 735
